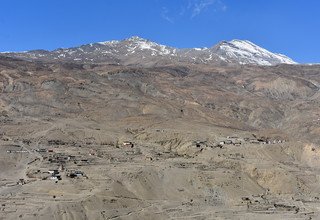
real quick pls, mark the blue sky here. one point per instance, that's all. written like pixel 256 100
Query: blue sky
pixel 291 27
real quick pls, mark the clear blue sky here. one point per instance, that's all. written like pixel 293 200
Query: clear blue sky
pixel 291 27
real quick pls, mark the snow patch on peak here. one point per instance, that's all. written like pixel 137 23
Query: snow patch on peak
pixel 249 46
pixel 199 48
pixel 137 43
pixel 247 52
pixel 146 45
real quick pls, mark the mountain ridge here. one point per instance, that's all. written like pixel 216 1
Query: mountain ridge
pixel 139 51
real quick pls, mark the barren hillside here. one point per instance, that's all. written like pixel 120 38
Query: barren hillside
pixel 204 141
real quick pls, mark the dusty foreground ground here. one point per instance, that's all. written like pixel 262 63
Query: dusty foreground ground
pixel 150 181
pixel 206 143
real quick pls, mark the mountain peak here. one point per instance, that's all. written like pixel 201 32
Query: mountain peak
pixel 246 52
pixel 136 38
pixel 130 39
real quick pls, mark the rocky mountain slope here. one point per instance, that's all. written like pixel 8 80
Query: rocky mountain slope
pixel 138 51
pixel 209 141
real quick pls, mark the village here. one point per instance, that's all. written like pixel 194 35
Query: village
pixel 237 141
pixel 60 160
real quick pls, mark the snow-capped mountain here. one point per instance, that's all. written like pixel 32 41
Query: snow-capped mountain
pixel 139 51
pixel 245 52
pixel 137 44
